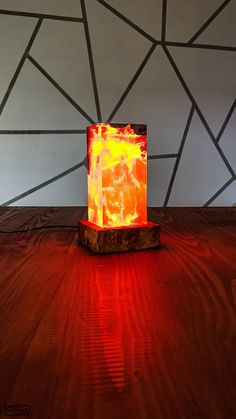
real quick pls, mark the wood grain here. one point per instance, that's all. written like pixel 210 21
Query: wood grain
pixel 118 239
pixel 144 335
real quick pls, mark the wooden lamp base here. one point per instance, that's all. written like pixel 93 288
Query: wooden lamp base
pixel 118 239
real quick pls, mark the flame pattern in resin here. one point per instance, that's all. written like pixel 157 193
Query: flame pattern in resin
pixel 117 176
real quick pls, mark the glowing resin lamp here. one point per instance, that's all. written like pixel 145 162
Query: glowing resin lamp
pixel 117 190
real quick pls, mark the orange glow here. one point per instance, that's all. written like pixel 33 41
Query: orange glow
pixel 117 176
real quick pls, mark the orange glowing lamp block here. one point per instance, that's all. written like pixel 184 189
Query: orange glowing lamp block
pixel 117 175
pixel 117 190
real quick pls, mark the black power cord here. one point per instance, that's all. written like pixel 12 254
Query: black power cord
pixel 37 228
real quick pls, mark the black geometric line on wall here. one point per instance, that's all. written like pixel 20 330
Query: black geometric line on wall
pixel 40 15
pixel 185 134
pixel 44 131
pixel 59 88
pixel 226 121
pixel 190 96
pixel 209 20
pixel 20 65
pixel 126 20
pixel 163 23
pixel 163 41
pixel 91 63
pixel 219 192
pixel 201 46
pixel 46 183
pixel 132 81
pixel 130 23
pixel 162 156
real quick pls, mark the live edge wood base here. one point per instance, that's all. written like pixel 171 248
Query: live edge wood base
pixel 118 239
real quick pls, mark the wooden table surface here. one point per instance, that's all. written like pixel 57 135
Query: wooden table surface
pixel 144 335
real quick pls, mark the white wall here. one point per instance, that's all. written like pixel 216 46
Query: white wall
pixel 170 64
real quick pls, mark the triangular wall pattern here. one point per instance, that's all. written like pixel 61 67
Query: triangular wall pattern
pixel 158 100
pixel 66 61
pixel 227 197
pixel 145 14
pixel 29 160
pixel 115 61
pixel 201 171
pixel 185 17
pixel 154 95
pixel 36 104
pixel 15 33
pixel 222 31
pixel 210 76
pixel 61 192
